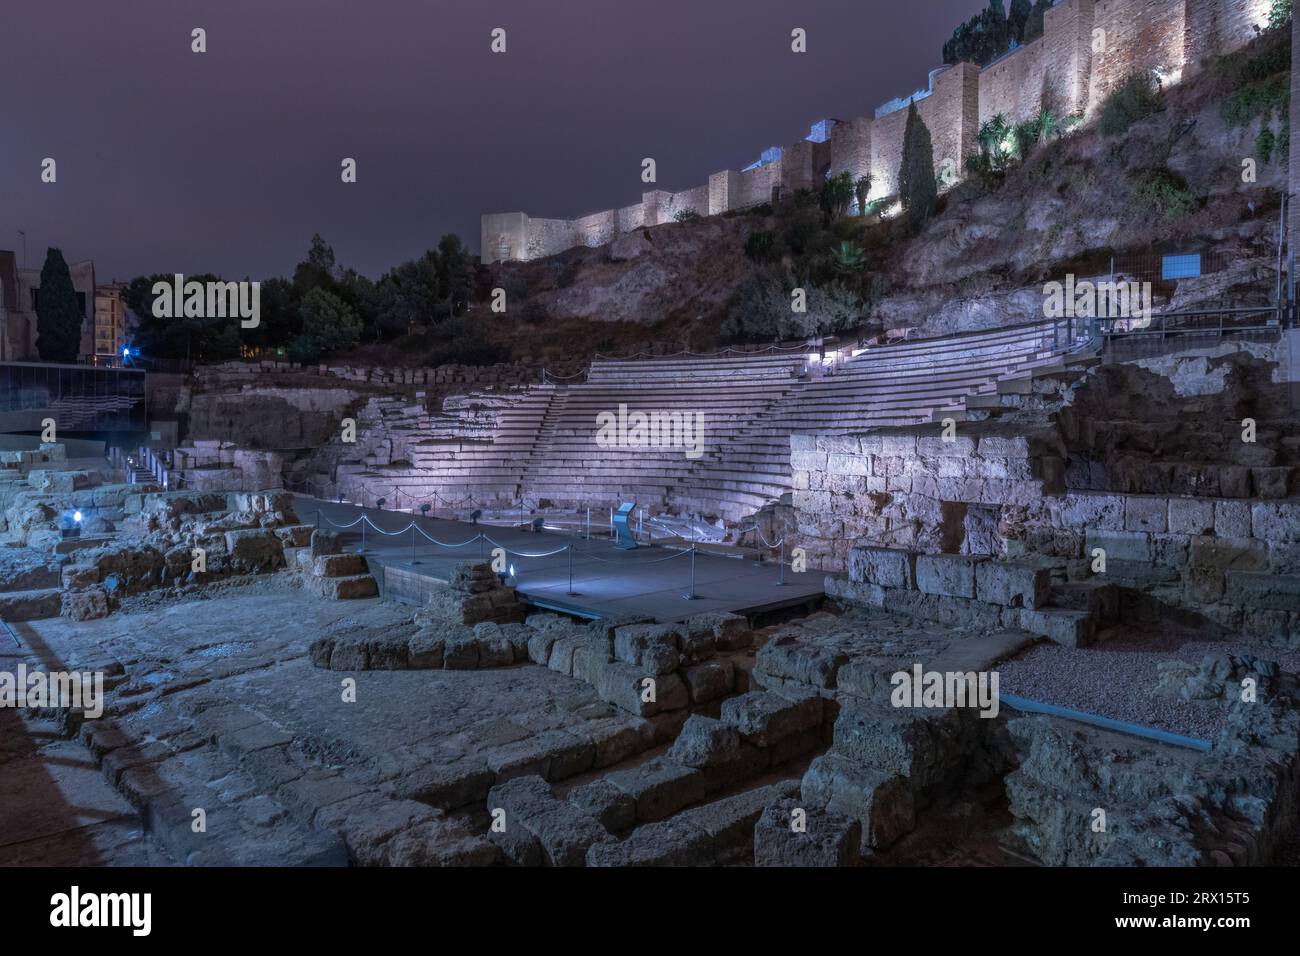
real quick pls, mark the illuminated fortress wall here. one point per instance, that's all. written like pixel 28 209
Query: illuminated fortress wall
pixel 1088 47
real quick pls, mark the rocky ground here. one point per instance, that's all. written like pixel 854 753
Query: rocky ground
pixel 220 702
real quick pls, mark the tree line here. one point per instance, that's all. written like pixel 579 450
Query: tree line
pixel 322 308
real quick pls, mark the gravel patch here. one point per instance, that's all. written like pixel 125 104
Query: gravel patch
pixel 1118 679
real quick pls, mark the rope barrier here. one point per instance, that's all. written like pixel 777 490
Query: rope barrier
pixel 596 557
pixel 444 544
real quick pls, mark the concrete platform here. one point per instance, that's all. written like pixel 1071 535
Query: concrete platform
pixel 607 581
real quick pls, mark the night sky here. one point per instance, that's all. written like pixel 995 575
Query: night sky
pixel 228 161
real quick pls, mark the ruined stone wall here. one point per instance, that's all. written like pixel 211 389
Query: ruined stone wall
pixel 546 237
pixel 1135 36
pixel 504 236
pixel 886 152
pixel 755 185
pixel 690 200
pixel 907 488
pixel 997 494
pixel 724 191
pixel 597 229
pixel 851 148
pixel 1220 25
pixel 797 167
pixel 1067 35
pixel 1013 86
pixel 1088 47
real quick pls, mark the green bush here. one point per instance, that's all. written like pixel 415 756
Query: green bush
pixel 533 313
pixel 1136 98
pixel 1263 98
pixel 1265 145
pixel 758 247
pixel 1165 192
pixel 761 310
pixel 568 275
pixel 462 342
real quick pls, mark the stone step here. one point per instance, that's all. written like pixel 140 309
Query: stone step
pixel 719 833
pixel 1066 626
pixel 31 605
pixel 1098 598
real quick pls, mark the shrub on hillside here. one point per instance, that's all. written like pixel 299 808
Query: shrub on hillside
pixel 1165 192
pixel 1135 99
pixel 758 246
pixel 460 341
pixel 761 311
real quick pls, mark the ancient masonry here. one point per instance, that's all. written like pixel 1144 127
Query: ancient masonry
pixel 1087 48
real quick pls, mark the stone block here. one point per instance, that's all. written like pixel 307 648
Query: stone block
pixel 1275 520
pixel 1232 519
pixel 705 742
pixel 710 680
pixel 660 787
pixel 882 802
pixel 1120 545
pixel 766 718
pixel 790 834
pixel 886 567
pixel 611 807
pixel 1191 516
pixel 1263 591
pixel 339 565
pixel 1065 626
pixel 948 575
pixel 1012 583
pixel 564 830
pixel 424 650
pixel 1142 513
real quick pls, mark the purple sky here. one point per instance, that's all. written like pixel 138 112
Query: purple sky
pixel 229 161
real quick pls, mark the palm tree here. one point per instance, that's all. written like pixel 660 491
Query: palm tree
pixel 836 195
pixel 862 189
pixel 849 258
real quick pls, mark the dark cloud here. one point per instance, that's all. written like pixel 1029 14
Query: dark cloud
pixel 229 161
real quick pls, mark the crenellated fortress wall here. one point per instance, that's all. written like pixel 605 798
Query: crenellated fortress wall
pixel 1088 47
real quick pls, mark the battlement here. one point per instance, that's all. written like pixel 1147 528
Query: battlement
pixel 1088 47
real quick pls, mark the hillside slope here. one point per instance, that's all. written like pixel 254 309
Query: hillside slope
pixel 1172 183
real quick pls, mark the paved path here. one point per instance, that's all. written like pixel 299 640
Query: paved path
pixel 607 581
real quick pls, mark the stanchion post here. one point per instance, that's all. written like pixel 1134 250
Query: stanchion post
pixel 571 591
pixel 363 534
pixel 413 541
pixel 781 581
pixel 691 596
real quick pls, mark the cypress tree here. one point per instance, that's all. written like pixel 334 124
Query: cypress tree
pixel 58 316
pixel 917 187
